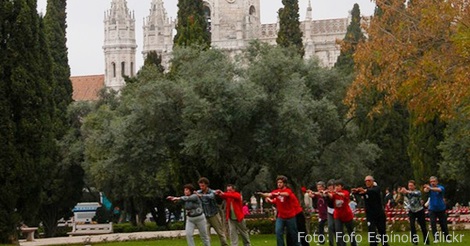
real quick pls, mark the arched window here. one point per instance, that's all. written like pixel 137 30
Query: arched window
pixel 123 68
pixel 114 69
pixel 252 11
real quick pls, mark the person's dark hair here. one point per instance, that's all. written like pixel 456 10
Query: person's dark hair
pixel 233 186
pixel 330 182
pixel 412 181
pixel 321 183
pixel 339 182
pixel 203 180
pixel 190 187
pixel 282 178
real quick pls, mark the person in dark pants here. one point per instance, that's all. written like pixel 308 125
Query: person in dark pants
pixel 320 199
pixel 301 228
pixel 437 207
pixel 375 213
pixel 330 210
pixel 343 215
pixel 211 210
pixel 415 211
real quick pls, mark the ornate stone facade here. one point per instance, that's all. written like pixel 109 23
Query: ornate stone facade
pixel 233 24
pixel 119 44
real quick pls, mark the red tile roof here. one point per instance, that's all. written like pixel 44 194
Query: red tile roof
pixel 86 88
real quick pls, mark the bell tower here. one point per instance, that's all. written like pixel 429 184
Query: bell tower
pixel 233 23
pixel 158 29
pixel 158 32
pixel 119 44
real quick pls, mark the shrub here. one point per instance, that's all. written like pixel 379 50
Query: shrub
pixel 261 226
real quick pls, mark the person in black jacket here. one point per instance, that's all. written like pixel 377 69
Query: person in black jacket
pixel 330 209
pixel 375 213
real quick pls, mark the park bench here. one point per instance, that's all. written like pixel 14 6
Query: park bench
pixel 29 232
pixel 91 229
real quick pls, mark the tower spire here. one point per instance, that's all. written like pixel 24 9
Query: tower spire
pixel 309 11
pixel 158 31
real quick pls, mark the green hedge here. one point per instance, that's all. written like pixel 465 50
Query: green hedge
pixel 261 226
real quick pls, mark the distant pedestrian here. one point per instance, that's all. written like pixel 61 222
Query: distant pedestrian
pixel 308 202
pixel 246 209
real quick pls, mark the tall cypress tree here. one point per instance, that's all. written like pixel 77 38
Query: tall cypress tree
pixel 289 33
pixel 192 26
pixel 26 71
pixel 65 177
pixel 353 37
pixel 8 153
pixel 55 29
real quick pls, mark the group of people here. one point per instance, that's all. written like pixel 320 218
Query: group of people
pixel 202 212
pixel 333 206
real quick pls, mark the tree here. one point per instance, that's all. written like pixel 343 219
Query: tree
pixel 131 144
pixel 415 56
pixel 64 189
pixel 55 29
pixel 154 59
pixel 455 163
pixel 236 121
pixel 289 33
pixel 191 28
pixel 26 70
pixel 353 37
pixel 301 131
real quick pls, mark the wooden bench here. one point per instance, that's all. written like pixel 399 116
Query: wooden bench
pixel 29 232
pixel 91 229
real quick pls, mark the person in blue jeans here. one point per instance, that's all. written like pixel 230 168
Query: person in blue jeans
pixel 287 207
pixel 437 207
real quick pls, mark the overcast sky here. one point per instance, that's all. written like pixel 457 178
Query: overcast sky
pixel 85 32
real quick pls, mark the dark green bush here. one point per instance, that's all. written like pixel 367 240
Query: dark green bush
pixel 179 225
pixel 261 226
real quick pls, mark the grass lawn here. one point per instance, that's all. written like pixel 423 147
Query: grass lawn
pixel 462 238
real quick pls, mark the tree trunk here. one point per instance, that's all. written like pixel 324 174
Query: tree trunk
pixel 49 220
pixel 161 214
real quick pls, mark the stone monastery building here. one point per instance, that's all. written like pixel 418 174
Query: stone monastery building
pixel 233 24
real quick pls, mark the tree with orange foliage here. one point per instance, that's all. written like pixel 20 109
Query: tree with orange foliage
pixel 418 55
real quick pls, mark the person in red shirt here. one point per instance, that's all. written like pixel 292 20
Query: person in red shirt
pixel 287 207
pixel 343 214
pixel 234 215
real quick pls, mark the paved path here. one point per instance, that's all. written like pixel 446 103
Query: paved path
pixel 104 238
